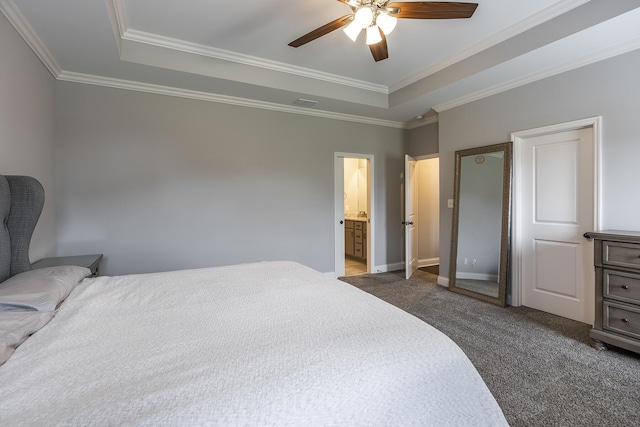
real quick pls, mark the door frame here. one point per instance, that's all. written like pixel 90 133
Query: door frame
pixel 338 168
pixel 518 138
pixel 410 228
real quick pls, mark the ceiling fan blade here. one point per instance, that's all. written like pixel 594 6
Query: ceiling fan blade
pixel 432 9
pixel 379 50
pixel 321 31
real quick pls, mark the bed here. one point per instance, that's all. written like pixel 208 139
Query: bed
pixel 268 343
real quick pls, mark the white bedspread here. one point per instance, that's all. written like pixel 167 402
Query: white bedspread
pixel 256 344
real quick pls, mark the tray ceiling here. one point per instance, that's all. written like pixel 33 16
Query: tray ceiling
pixel 236 52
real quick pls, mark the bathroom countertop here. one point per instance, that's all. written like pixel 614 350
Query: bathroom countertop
pixel 356 218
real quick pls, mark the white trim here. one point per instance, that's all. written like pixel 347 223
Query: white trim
pixel 595 123
pixel 511 31
pixel 385 268
pixel 423 122
pixel 428 262
pixel 443 281
pixel 222 99
pixel 119 24
pixel 15 17
pixel 253 61
pixel 115 9
pixel 125 33
pixel 119 9
pixel 593 57
pixel 118 20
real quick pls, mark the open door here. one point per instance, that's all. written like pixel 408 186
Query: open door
pixel 411 243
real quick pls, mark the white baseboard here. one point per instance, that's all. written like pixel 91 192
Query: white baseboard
pixel 428 262
pixel 384 268
pixel 443 281
pixel 388 267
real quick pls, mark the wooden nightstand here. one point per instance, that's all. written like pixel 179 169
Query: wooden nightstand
pixel 92 262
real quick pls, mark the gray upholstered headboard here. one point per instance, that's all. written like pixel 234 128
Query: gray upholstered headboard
pixel 21 201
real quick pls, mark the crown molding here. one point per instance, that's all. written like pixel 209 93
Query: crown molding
pixel 15 17
pixel 597 56
pixel 226 55
pixel 123 32
pixel 423 122
pixel 220 99
pixel 511 31
pixel 118 20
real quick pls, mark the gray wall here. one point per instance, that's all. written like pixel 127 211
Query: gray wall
pixel 423 140
pixel 610 89
pixel 161 183
pixel 26 127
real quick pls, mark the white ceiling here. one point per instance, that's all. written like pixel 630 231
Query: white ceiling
pixel 236 51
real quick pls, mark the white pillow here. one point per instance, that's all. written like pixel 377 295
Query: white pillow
pixel 15 327
pixel 42 289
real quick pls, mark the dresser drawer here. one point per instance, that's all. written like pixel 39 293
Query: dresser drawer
pixel 622 319
pixel 358 225
pixel 621 286
pixel 621 254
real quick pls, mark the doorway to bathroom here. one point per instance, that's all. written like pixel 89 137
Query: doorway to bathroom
pixel 354 233
pixel 356 212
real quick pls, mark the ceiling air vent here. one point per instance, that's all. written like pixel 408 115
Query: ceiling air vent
pixel 305 102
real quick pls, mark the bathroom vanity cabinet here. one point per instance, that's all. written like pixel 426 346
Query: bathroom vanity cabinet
pixel 355 238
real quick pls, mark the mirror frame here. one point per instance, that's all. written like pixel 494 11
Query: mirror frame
pixel 505 228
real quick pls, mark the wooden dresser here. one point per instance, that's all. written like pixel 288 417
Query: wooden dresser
pixel 617 263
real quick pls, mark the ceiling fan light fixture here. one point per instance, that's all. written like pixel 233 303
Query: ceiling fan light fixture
pixel 363 17
pixel 373 35
pixel 352 30
pixel 386 22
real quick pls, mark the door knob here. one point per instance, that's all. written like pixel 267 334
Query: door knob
pixel 341 222
pixel 407 222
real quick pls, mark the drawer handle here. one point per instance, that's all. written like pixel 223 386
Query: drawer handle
pixel 625 320
pixel 625 287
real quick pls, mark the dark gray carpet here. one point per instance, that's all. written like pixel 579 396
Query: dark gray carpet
pixel 433 269
pixel 540 367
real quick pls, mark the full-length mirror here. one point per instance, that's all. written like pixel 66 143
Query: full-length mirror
pixel 481 222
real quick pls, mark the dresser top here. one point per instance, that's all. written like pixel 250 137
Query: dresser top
pixel 619 235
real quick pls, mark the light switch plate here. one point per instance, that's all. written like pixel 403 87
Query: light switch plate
pixel 450 203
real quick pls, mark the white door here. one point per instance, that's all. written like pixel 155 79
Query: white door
pixel 411 243
pixel 557 173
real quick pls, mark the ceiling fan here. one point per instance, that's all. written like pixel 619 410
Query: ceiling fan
pixel 379 18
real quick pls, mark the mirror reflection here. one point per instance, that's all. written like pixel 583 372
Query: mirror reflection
pixel 481 222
